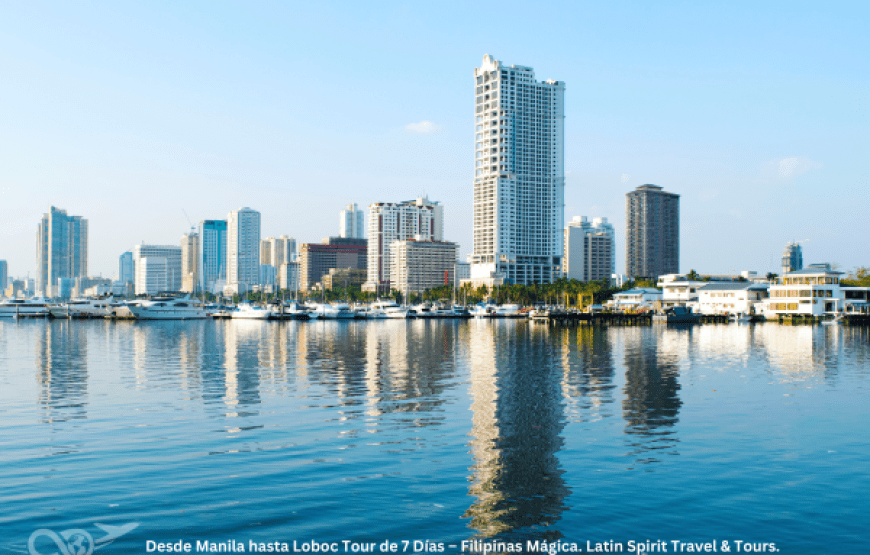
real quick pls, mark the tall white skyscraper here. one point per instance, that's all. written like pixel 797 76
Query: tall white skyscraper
pixel 519 178
pixel 419 219
pixel 351 223
pixel 590 252
pixel 243 249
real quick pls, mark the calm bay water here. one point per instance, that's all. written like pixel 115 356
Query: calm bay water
pixel 434 430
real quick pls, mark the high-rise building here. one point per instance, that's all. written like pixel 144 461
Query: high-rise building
pixel 792 258
pixel 390 222
pixel 61 249
pixel 212 255
pixel 652 232
pixel 126 273
pixel 277 251
pixel 4 275
pixel 189 261
pixel 316 259
pixel 590 253
pixel 157 268
pixel 420 265
pixel 243 249
pixel 519 176
pixel 288 276
pixel 351 223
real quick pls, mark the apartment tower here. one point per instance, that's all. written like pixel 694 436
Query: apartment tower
pixel 652 232
pixel 519 176
pixel 61 249
pixel 243 250
pixel 419 219
pixel 190 262
pixel 351 223
pixel 590 252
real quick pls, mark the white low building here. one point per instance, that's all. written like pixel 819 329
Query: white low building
pixel 679 290
pixel 736 297
pixel 639 297
pixel 813 291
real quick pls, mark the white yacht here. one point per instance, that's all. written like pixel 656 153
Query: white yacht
pixel 167 308
pixel 326 311
pixel 483 310
pixel 371 313
pixel 83 308
pixel 391 309
pixel 14 308
pixel 250 311
pixel 507 311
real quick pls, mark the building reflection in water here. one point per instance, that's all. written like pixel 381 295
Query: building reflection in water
pixel 651 404
pixel 587 366
pixel 242 343
pixel 517 421
pixel 62 370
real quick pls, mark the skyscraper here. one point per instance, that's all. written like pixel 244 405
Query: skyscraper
pixel 189 261
pixel 420 219
pixel 243 249
pixel 590 253
pixel 126 273
pixel 519 179
pixel 277 251
pixel 351 223
pixel 792 258
pixel 212 255
pixel 652 232
pixel 157 268
pixel 4 276
pixel 61 249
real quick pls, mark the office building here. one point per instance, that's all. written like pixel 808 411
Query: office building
pixel 62 249
pixel 792 258
pixel 189 262
pixel 276 251
pixel 652 232
pixel 398 221
pixel 212 255
pixel 315 259
pixel 417 265
pixel 590 252
pixel 243 250
pixel 351 223
pixel 4 275
pixel 519 176
pixel 157 269
pixel 126 272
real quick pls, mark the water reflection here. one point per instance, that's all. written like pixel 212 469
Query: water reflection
pixel 517 421
pixel 62 371
pixel 651 405
pixel 587 379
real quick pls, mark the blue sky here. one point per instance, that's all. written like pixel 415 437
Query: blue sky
pixel 129 113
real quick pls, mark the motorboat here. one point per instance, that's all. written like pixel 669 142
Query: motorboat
pixel 677 315
pixel 392 309
pixel 481 310
pixel 371 313
pixel 740 318
pixel 460 311
pixel 507 311
pixel 250 311
pixel 326 311
pixel 167 308
pixel 423 310
pixel 36 307
pixel 83 308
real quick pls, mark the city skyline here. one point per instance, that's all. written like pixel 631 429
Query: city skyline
pixel 722 105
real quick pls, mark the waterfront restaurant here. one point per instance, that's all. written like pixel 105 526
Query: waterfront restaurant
pixel 813 291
